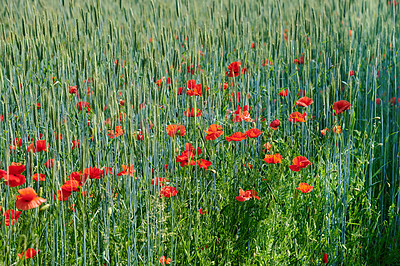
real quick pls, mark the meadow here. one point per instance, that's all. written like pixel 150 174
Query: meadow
pixel 199 132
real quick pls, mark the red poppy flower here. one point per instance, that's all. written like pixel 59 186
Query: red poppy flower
pixel 125 171
pixel 139 135
pixel 163 260
pixel 49 163
pixel 115 133
pixel 11 217
pixel 323 131
pixel 12 147
pixel 213 132
pixel 72 89
pixel 285 35
pixel 28 199
pixel 29 253
pixel 265 62
pixel 162 80
pixel 173 130
pixel 233 69
pixel 283 93
pixel 168 191
pixel 298 163
pixel 186 158
pixel 93 173
pixel 190 112
pixel 201 211
pixel 242 116
pixel 350 33
pixel 81 105
pixel 190 69
pixel 275 124
pixel 240 110
pixel 275 158
pixel 224 86
pixel 38 136
pixel 63 195
pixel 246 195
pixel 305 188
pixel 267 146
pixel 392 100
pixel 70 186
pixel 299 61
pixel 237 136
pixel 325 258
pixel 378 101
pixel 297 117
pixel 260 118
pixel 191 83
pixel 121 62
pixel 253 133
pixel 122 117
pixel 351 73
pixel 16 168
pixel 17 142
pixel 248 165
pixel 187 155
pixel 56 135
pixel 341 106
pixel 164 167
pixel 75 143
pixel 160 181
pixel 39 177
pixel 88 92
pixel 189 147
pixel 304 101
pixel 72 208
pixel 337 129
pixel 203 163
pixel 79 177
pixel 197 90
pixel 37 146
pixel 12 180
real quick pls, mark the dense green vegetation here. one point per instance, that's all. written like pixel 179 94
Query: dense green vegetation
pixel 128 62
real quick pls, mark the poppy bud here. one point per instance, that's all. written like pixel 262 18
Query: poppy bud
pixel 325 259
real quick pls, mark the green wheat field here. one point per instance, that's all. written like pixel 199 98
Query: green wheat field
pixel 258 132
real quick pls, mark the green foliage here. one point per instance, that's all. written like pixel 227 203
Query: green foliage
pixel 118 50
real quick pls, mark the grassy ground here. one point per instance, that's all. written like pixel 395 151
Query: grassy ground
pixel 128 60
